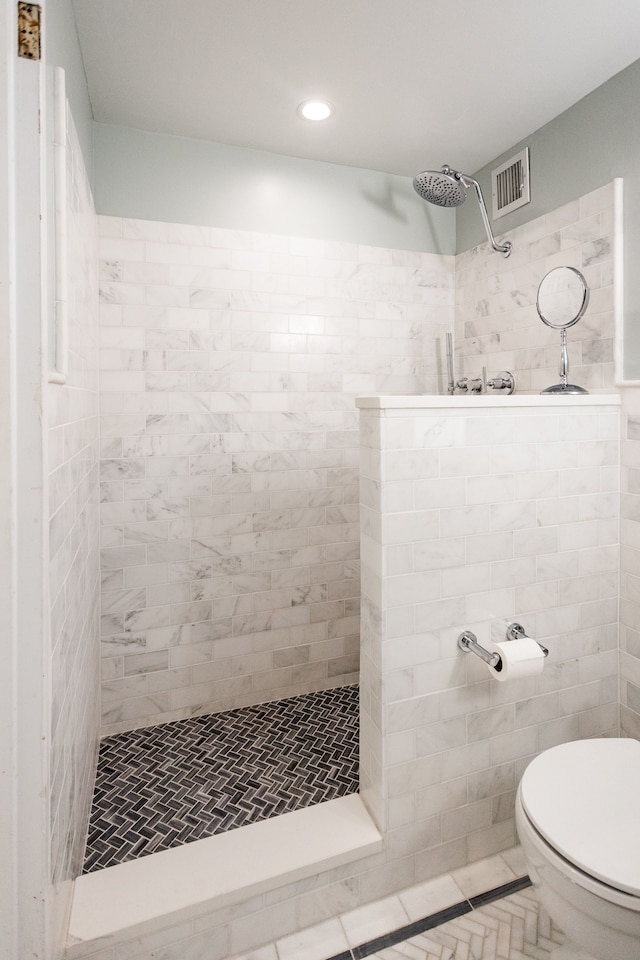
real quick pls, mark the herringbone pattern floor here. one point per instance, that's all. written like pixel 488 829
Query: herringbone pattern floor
pixel 163 786
pixel 514 928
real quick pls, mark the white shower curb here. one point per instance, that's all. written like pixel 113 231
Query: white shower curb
pixel 161 889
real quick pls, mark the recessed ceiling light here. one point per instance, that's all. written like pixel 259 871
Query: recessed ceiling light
pixel 315 110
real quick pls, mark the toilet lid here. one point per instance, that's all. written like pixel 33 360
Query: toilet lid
pixel 584 798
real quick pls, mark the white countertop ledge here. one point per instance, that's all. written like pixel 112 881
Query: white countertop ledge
pixel 161 889
pixel 457 402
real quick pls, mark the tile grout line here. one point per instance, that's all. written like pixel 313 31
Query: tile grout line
pixel 416 927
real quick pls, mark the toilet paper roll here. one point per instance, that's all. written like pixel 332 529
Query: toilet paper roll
pixel 518 658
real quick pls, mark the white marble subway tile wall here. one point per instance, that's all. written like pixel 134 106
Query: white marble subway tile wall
pixel 471 520
pixel 497 324
pixel 229 366
pixel 74 571
pixel 630 564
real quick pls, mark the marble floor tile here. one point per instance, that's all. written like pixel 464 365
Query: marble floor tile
pixel 263 953
pixel 483 875
pixel 374 920
pixel 325 939
pixel 430 897
pixel 492 925
pixel 513 928
pixel 514 858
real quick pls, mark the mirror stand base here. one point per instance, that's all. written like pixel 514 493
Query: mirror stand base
pixel 564 388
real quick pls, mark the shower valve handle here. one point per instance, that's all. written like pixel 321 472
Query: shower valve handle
pixel 505 380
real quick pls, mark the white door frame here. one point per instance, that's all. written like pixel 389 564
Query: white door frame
pixel 24 666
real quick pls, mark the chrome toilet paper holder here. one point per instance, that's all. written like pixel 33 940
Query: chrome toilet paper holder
pixel 515 631
pixel 468 642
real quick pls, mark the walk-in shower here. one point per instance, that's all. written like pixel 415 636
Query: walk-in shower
pixel 448 188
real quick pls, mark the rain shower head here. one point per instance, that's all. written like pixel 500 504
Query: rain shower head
pixel 448 188
pixel 444 188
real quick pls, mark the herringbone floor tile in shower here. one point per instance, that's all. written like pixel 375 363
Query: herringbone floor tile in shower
pixel 163 786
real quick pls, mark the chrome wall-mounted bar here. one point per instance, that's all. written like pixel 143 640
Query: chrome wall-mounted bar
pixel 515 631
pixel 468 642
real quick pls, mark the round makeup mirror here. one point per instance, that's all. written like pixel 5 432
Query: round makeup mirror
pixel 563 296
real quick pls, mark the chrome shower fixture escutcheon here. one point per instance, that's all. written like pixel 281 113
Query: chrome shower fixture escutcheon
pixel 504 381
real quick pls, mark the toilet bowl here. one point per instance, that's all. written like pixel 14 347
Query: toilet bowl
pixel 578 820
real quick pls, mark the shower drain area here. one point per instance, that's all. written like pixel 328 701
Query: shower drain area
pixel 163 786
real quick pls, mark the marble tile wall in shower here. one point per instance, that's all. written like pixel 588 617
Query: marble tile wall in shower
pixel 230 542
pixel 630 564
pixel 472 518
pixel 74 571
pixel 497 324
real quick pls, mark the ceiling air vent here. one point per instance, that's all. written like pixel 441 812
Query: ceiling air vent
pixel 510 184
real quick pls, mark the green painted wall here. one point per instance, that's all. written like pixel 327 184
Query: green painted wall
pixel 152 176
pixel 585 147
pixel 62 49
pixel 156 177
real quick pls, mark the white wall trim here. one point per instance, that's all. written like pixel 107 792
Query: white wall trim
pixel 24 846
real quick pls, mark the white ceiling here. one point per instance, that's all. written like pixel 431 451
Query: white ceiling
pixel 415 83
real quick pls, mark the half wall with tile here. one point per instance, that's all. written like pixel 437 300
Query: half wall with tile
pixel 477 513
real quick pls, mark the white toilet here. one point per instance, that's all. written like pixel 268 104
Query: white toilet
pixel 578 819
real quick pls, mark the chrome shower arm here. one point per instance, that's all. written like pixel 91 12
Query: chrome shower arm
pixel 504 248
pixel 448 188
